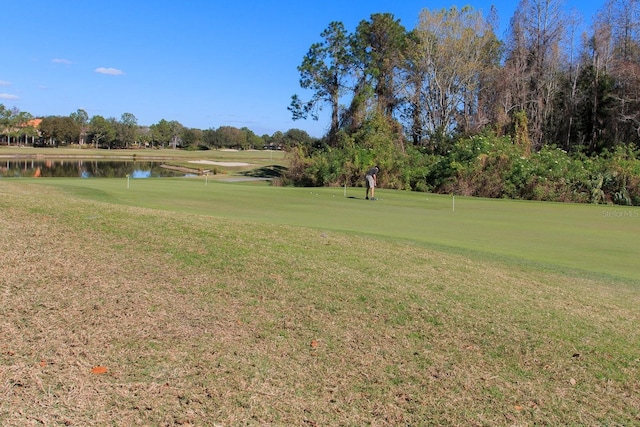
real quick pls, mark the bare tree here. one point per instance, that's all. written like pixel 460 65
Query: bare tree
pixel 625 67
pixel 611 58
pixel 534 61
pixel 456 51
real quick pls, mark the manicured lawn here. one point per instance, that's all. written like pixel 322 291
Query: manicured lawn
pixel 587 238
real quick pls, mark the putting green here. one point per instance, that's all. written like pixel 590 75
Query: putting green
pixel 581 239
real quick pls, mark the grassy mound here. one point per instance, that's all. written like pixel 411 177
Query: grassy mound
pixel 206 315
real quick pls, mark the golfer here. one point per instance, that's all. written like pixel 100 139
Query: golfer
pixel 371 180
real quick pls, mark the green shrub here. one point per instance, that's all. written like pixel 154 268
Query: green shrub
pixel 482 165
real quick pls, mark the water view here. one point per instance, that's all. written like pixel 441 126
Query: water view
pixel 83 169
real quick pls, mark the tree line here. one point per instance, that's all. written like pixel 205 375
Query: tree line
pixel 452 76
pixel 19 127
pixel 449 81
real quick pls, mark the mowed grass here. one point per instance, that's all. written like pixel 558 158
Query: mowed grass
pixel 593 239
pixel 242 304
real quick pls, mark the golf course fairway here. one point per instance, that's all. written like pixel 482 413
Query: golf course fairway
pixel 195 301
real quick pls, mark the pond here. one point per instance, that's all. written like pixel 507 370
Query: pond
pixel 83 169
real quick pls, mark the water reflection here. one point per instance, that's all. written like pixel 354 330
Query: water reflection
pixel 140 173
pixel 83 169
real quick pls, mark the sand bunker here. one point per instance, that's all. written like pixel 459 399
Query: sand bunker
pixel 210 162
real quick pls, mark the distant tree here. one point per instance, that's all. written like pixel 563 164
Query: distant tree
pixel 274 141
pixel 161 133
pixel 6 116
pixel 325 70
pixel 597 84
pixel 534 62
pixel 5 113
pixel 59 130
pixel 267 139
pixel 20 126
pixel 81 118
pixel 176 130
pixel 143 136
pixel 14 123
pixel 595 111
pixel 379 50
pixel 253 141
pixel 296 138
pixel 101 131
pixel 455 49
pixel 29 129
pixel 623 18
pixel 602 93
pixel 231 137
pixel 191 138
pixel 413 110
pixel 127 129
pixel 115 141
pixel 209 137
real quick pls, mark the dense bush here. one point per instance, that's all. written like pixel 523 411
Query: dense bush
pixel 483 166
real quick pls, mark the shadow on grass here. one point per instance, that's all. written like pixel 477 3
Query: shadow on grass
pixel 271 171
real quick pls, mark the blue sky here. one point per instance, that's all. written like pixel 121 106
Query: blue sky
pixel 205 64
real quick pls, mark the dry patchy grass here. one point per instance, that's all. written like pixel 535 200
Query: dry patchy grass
pixel 205 321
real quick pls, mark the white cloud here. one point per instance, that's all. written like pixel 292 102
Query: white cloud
pixel 61 61
pixel 8 96
pixel 109 71
pixel 3 83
